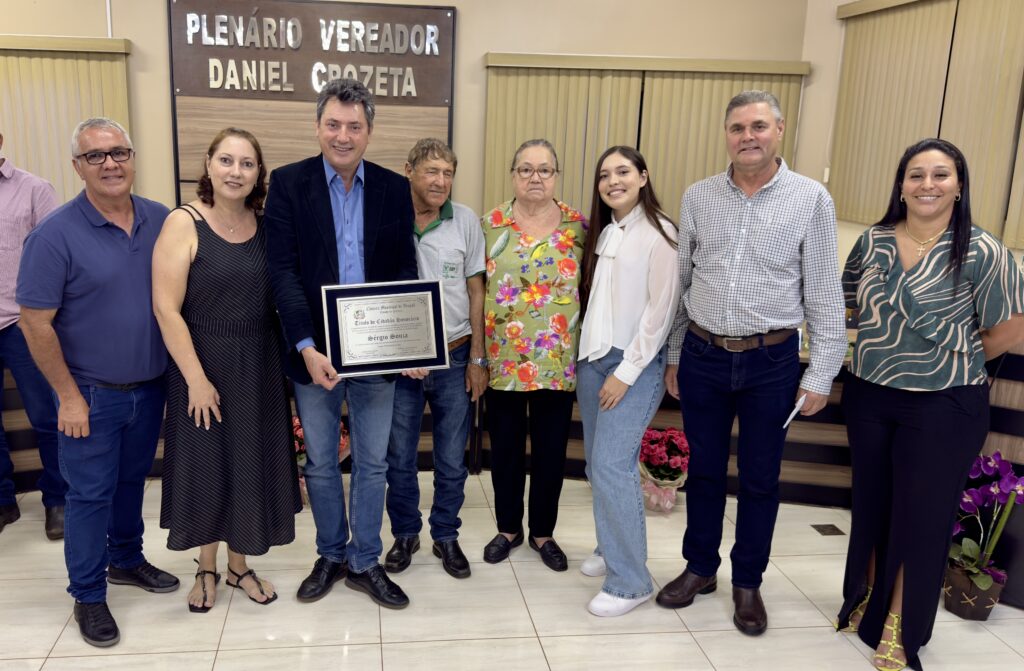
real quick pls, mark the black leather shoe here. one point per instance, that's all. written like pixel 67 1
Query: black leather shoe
pixel 320 580
pixel 9 514
pixel 145 576
pixel 452 559
pixel 54 526
pixel 400 555
pixel 96 624
pixel 376 583
pixel 750 616
pixel 499 547
pixel 551 555
pixel 680 592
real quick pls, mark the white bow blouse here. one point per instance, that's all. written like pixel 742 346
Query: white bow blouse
pixel 633 294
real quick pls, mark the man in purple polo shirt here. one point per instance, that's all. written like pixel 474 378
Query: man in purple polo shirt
pixel 85 290
pixel 24 200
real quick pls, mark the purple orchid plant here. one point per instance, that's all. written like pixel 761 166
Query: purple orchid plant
pixel 1000 490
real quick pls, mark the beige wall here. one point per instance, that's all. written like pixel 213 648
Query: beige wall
pixel 823 49
pixel 739 29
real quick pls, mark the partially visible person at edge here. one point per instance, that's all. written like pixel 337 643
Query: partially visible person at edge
pixel 229 472
pixel 936 297
pixel 629 285
pixel 757 257
pixel 24 201
pixel 364 212
pixel 534 245
pixel 449 248
pixel 85 290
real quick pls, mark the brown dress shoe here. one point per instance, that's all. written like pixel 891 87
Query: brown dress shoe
pixel 680 592
pixel 750 616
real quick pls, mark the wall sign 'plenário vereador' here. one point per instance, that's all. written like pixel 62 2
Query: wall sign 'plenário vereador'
pixel 287 50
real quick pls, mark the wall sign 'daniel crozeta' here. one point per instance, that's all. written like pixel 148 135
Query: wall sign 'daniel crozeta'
pixel 288 50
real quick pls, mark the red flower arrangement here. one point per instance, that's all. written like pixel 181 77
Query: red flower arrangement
pixel 664 459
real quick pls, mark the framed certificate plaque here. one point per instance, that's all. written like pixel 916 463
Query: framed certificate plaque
pixel 385 327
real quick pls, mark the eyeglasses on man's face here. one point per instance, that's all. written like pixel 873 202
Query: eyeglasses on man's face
pixel 120 155
pixel 526 172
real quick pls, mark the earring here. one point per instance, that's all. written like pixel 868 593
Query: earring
pixel 901 198
pixel 957 198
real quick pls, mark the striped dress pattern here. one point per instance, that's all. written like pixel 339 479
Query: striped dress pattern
pixel 236 482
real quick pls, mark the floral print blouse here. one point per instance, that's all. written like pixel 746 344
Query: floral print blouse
pixel 532 306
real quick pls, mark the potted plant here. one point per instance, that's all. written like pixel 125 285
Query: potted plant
pixel 973 584
pixel 664 458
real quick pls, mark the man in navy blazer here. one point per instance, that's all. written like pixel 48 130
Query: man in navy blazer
pixel 337 219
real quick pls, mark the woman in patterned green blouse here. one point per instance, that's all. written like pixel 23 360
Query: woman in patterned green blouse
pixel 936 297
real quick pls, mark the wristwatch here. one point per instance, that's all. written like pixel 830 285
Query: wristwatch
pixel 479 362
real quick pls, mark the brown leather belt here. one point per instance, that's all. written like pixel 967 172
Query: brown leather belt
pixel 458 342
pixel 743 343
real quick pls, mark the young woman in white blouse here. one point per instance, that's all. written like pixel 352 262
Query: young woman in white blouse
pixel 630 288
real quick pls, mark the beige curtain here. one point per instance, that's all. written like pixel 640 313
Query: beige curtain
pixel 670 108
pixel 683 136
pixel 890 95
pixel 48 85
pixel 579 111
pixel 981 110
pixel 1013 234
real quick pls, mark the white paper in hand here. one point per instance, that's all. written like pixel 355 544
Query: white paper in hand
pixel 796 409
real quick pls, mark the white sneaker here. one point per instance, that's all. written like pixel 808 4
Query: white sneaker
pixel 606 605
pixel 593 566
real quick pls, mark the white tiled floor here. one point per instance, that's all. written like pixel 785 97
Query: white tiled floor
pixel 513 615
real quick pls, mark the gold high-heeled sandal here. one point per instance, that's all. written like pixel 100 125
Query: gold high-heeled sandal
pixel 891 645
pixel 852 627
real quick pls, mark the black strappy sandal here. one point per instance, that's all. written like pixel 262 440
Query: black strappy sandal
pixel 259 583
pixel 201 574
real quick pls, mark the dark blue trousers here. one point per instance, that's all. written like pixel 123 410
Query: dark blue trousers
pixel 106 475
pixel 38 401
pixel 759 387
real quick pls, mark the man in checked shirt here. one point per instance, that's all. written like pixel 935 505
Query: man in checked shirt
pixel 757 256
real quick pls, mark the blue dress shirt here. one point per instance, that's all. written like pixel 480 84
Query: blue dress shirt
pixel 347 209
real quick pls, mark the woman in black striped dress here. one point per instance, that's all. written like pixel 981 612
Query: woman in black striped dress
pixel 229 471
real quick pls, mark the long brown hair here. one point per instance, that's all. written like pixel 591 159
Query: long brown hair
pixel 601 214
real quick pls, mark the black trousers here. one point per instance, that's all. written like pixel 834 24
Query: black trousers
pixel 544 415
pixel 911 452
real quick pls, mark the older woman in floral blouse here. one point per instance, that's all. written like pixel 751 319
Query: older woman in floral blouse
pixel 531 311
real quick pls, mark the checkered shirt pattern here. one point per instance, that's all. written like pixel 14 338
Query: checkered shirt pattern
pixel 757 264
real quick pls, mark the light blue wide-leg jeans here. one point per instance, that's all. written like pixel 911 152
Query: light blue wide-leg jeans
pixel 611 440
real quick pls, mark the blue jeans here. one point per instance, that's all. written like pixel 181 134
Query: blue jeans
pixel 451 414
pixel 611 442
pixel 106 475
pixel 370 400
pixel 715 386
pixel 38 401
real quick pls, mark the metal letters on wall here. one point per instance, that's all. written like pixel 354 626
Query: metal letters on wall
pixel 284 50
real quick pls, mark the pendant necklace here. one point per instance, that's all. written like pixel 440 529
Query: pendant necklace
pixel 921 244
pixel 221 222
